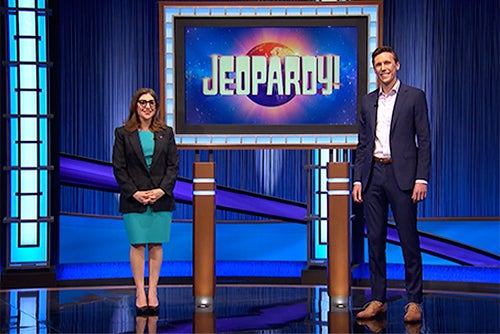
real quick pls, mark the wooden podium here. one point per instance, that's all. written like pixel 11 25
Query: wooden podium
pixel 338 270
pixel 204 235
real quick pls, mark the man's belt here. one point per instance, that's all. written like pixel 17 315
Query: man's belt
pixel 385 161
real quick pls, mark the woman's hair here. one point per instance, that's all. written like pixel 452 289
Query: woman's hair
pixel 157 122
pixel 382 49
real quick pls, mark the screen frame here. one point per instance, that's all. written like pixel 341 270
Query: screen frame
pixel 181 21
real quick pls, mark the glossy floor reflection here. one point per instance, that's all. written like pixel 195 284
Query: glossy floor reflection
pixel 237 309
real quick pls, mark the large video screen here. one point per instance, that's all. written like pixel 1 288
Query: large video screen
pixel 269 75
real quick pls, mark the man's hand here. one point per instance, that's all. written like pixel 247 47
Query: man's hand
pixel 356 193
pixel 419 192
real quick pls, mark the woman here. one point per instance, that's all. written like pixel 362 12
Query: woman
pixel 145 165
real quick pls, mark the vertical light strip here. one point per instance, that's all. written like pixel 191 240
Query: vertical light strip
pixel 27 132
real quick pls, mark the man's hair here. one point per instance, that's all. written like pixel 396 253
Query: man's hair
pixel 382 49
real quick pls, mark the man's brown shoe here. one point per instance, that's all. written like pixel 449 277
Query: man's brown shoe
pixel 372 309
pixel 413 313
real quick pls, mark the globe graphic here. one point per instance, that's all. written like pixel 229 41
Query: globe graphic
pixel 269 49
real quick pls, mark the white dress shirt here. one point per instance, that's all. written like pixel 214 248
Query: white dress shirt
pixel 385 106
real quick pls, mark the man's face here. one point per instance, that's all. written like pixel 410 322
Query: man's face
pixel 385 68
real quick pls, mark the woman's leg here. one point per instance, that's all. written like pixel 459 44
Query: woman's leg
pixel 155 257
pixel 137 265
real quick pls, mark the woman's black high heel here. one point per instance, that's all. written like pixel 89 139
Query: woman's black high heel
pixel 141 311
pixel 154 310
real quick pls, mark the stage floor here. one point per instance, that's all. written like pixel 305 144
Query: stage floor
pixel 237 309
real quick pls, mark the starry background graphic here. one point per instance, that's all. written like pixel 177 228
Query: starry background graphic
pixel 202 42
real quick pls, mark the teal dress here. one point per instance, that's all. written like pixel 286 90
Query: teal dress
pixel 150 226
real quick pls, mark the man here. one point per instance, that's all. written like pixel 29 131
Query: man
pixel 392 168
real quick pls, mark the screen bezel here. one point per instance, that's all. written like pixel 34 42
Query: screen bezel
pixel 180 22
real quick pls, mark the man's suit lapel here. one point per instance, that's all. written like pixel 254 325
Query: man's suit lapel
pixel 400 100
pixel 373 114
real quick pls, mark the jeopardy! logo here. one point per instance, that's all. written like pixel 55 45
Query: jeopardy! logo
pixel 271 74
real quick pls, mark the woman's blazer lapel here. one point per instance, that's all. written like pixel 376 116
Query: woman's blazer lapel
pixel 136 146
pixel 159 145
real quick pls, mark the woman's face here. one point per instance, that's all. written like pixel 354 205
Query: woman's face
pixel 146 108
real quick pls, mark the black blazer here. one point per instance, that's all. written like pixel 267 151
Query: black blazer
pixel 409 138
pixel 132 174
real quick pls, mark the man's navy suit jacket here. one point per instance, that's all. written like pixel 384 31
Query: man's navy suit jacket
pixel 409 138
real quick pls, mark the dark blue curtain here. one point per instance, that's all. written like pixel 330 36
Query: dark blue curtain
pixel 449 48
pixel 107 50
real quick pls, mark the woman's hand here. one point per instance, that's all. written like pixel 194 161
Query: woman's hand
pixel 146 197
pixel 142 196
pixel 155 194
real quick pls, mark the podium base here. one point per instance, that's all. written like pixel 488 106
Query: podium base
pixel 314 275
pixel 28 278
